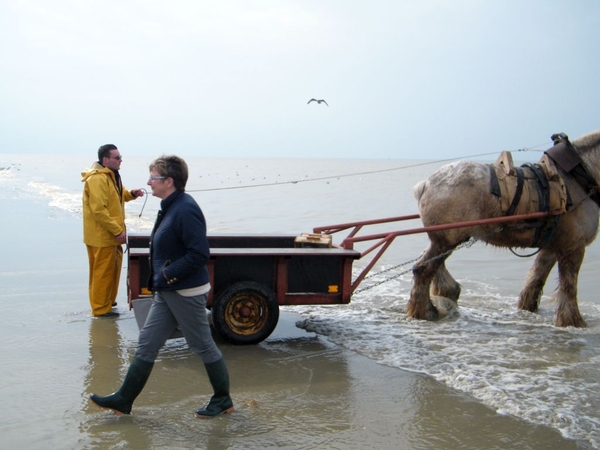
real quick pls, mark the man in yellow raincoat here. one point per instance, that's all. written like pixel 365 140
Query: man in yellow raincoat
pixel 104 232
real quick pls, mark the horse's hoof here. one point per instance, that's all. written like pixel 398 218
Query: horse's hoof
pixel 446 307
pixel 577 322
pixel 430 313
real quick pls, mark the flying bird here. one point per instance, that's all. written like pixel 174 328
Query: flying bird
pixel 318 101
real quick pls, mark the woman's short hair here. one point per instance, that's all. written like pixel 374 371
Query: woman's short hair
pixel 174 167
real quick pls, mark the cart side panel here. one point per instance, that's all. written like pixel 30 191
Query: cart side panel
pixel 223 270
pixel 235 268
pixel 138 275
pixel 318 273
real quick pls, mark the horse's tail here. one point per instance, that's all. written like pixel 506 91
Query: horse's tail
pixel 419 189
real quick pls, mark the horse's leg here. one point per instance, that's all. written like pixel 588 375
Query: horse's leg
pixel 444 285
pixel 531 294
pixel 419 305
pixel 567 311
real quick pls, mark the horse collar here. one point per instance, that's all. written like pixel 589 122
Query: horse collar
pixel 566 157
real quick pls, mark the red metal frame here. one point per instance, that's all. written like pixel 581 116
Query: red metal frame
pixel 386 239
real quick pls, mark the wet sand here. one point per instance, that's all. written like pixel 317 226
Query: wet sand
pixel 295 390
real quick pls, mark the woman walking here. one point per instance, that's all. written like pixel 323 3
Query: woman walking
pixel 179 253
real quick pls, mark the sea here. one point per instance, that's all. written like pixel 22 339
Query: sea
pixel 513 363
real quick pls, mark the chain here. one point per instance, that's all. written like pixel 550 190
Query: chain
pixel 466 244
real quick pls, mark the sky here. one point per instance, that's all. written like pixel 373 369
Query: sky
pixel 404 79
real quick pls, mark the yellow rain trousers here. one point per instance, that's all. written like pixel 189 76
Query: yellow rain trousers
pixel 105 273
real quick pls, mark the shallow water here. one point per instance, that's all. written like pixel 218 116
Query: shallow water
pixel 346 377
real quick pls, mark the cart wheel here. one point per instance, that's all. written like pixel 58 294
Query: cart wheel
pixel 245 313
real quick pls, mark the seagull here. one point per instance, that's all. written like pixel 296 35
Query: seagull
pixel 318 101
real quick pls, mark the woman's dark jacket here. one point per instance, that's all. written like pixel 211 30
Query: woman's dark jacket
pixel 179 248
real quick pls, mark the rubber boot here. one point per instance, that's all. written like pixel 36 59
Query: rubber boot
pixel 121 401
pixel 220 402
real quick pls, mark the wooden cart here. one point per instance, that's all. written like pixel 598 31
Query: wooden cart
pixel 252 275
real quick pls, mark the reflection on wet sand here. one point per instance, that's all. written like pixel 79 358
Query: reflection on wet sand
pixel 106 356
pixel 107 359
pixel 279 387
pixel 294 390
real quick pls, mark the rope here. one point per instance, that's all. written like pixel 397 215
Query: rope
pixel 145 200
pixel 466 244
pixel 308 180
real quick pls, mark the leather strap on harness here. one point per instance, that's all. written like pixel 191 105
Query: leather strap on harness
pixel 543 232
pixel 494 185
pixel 518 193
pixel 541 185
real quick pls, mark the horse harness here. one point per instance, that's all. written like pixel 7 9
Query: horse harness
pixel 578 179
pixel 556 184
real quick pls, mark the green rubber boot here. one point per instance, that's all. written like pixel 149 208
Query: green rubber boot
pixel 220 402
pixel 121 401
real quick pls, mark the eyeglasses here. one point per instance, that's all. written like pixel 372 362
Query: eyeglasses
pixel 155 177
pixel 119 157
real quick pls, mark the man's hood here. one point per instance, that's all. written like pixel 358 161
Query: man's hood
pixel 96 168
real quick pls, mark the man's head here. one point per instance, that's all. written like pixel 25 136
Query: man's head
pixel 109 156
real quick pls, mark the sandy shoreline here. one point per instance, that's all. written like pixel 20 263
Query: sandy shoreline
pixel 295 390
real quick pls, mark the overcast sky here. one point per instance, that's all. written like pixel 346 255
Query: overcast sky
pixel 403 78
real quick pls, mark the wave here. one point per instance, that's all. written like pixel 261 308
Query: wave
pixel 515 362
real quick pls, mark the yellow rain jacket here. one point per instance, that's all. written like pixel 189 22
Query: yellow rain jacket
pixel 103 207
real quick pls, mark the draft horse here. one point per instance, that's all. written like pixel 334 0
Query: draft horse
pixel 460 192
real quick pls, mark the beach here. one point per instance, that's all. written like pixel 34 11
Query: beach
pixel 323 380
pixel 296 390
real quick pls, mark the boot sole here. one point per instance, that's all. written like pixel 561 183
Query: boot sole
pixel 115 411
pixel 228 410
